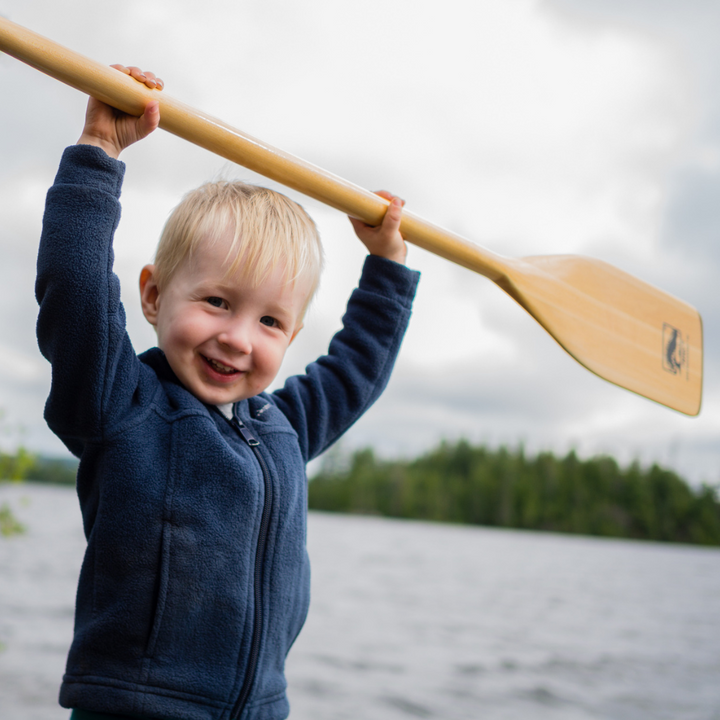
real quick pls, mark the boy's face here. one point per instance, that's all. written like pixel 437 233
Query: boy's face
pixel 223 339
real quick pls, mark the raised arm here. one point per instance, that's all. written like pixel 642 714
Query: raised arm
pixel 340 386
pixel 81 324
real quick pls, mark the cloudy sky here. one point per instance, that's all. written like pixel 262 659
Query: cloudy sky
pixel 528 126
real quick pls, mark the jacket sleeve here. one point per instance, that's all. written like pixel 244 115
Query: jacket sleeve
pixel 81 323
pixel 339 387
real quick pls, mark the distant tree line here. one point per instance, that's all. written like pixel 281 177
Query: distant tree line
pixel 23 465
pixel 13 467
pixel 52 470
pixel 457 482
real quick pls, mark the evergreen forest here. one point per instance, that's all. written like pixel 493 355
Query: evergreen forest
pixel 459 483
pixel 475 485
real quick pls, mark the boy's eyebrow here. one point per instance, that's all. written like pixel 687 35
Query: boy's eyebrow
pixel 213 283
pixel 276 308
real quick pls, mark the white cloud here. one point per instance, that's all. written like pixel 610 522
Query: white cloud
pixel 17 366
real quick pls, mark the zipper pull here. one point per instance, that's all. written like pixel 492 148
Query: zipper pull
pixel 245 433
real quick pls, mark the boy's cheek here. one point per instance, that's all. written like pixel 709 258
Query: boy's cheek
pixel 183 326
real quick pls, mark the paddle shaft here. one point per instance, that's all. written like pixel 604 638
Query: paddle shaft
pixel 125 93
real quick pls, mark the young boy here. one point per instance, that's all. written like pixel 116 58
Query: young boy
pixel 192 479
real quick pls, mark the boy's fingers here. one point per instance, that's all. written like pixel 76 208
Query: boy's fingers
pixel 149 120
pixel 153 82
pixel 388 196
pixel 148 78
pixel 393 216
pixel 137 73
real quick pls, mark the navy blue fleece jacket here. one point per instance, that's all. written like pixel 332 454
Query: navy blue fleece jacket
pixel 195 582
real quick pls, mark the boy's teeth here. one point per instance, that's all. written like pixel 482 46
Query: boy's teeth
pixel 220 367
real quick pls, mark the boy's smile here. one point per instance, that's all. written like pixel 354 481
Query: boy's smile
pixel 224 339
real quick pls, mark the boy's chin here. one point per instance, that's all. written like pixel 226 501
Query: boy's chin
pixel 223 396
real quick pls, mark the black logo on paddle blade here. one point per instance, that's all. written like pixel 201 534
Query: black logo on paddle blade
pixel 675 350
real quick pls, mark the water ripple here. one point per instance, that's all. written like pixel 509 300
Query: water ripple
pixel 417 620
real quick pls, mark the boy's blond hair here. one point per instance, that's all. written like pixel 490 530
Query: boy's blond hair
pixel 266 228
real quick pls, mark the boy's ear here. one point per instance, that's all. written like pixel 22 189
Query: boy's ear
pixel 149 294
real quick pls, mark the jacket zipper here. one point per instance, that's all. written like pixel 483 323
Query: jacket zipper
pixel 250 439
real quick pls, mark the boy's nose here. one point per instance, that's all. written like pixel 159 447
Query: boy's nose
pixel 237 338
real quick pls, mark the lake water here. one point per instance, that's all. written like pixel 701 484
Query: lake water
pixel 422 620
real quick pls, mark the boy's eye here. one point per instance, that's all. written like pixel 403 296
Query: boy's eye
pixel 215 301
pixel 269 321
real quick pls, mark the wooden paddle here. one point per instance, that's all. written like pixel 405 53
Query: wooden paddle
pixel 617 326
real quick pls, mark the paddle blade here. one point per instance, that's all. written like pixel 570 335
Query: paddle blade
pixel 620 328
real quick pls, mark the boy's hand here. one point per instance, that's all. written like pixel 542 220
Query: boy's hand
pixel 385 239
pixel 113 130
